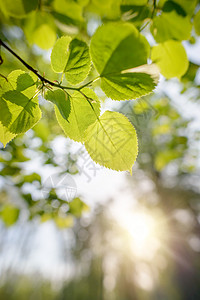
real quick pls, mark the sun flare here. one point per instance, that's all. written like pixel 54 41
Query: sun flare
pixel 143 233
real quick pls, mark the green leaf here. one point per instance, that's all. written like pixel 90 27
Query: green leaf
pixel 112 142
pixel 171 58
pixel 44 36
pixel 9 214
pixel 187 5
pixel 171 26
pixel 116 48
pixel 78 64
pixel 60 54
pixel 134 2
pixel 23 112
pixel 132 83
pixel 18 8
pixel 20 109
pixel 72 58
pixel 83 113
pixel 71 9
pixel 77 207
pixel 64 221
pixel 40 30
pixel 61 100
pixel 5 135
pixel 197 23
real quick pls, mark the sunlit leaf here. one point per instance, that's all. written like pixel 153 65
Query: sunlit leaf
pixel 20 109
pixel 23 112
pixel 5 135
pixel 9 214
pixel 60 54
pixel 116 48
pixel 171 58
pixel 78 64
pixel 132 83
pixel 112 142
pixel 64 222
pixel 77 207
pixel 40 30
pixel 83 113
pixel 171 26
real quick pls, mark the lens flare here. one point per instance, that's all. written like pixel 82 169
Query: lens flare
pixel 142 234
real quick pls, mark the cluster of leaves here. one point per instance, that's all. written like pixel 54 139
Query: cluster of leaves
pixel 117 51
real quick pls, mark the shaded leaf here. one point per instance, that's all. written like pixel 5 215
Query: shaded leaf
pixel 61 100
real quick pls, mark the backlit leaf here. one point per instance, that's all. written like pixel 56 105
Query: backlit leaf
pixel 83 113
pixel 116 48
pixel 112 142
pixel 60 54
pixel 9 214
pixel 171 58
pixel 19 106
pixel 5 135
pixel 78 64
pixel 171 26
pixel 132 83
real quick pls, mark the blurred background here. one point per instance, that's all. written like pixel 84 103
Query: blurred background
pixel 70 229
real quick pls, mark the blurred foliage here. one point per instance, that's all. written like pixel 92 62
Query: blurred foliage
pixel 103 267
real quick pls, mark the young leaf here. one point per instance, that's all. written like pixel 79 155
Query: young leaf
pixel 20 109
pixel 83 113
pixel 171 26
pixel 116 47
pixel 61 100
pixel 112 141
pixel 78 64
pixel 72 58
pixel 171 58
pixel 60 54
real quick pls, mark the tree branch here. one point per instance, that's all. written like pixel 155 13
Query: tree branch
pixel 43 79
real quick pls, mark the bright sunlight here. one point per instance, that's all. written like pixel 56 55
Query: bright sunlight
pixel 143 233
